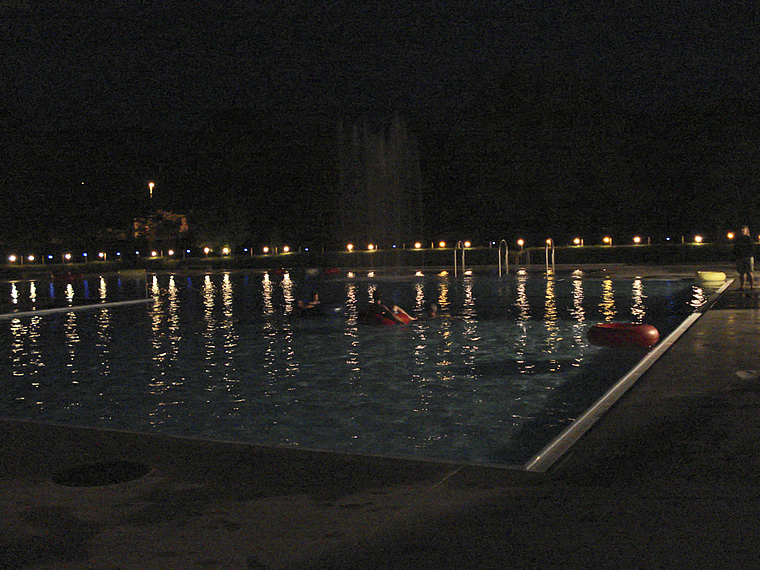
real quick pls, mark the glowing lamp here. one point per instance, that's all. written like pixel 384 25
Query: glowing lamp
pixel 467 244
pixel 285 249
pixel 417 245
pixel 697 239
pixel 226 251
pixel 350 247
pixel 12 258
pixel 171 252
pixel 441 244
pixel 266 249
pixel 30 258
pixel 637 240
pixel 577 241
pixel 730 235
pixel 607 240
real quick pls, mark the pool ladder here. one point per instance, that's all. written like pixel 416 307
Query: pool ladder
pixel 549 251
pixel 506 257
pixel 459 247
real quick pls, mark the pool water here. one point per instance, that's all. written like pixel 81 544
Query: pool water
pixel 500 372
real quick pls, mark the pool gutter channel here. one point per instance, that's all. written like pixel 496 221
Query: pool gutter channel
pixel 555 449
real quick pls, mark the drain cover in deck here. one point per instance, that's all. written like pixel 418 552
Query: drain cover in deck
pixel 101 473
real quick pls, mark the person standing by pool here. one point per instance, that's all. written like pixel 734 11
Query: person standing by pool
pixel 744 253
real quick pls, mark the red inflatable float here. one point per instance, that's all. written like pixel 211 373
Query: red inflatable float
pixel 621 335
pixel 381 319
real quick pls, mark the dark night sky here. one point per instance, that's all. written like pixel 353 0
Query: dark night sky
pixel 137 63
pixel 138 70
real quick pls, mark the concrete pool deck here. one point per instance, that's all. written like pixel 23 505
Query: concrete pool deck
pixel 668 478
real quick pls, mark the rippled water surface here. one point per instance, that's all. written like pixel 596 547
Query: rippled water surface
pixel 502 369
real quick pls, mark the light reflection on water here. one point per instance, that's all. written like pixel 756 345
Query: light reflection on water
pixel 228 356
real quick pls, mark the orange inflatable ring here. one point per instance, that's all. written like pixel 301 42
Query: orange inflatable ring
pixel 621 335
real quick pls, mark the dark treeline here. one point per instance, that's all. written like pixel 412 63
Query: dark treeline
pixel 535 158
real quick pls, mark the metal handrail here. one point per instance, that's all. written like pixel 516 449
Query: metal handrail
pixel 506 257
pixel 549 246
pixel 458 247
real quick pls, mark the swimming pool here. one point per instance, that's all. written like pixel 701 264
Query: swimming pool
pixel 502 370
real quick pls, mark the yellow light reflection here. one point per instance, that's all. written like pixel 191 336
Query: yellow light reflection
pixel 607 301
pixel 352 334
pixel 551 318
pixel 578 314
pixel 638 308
pixel 288 288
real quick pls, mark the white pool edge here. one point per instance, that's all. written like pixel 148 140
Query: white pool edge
pixel 555 449
pixel 6 316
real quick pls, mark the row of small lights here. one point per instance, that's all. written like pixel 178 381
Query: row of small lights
pixel 350 247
